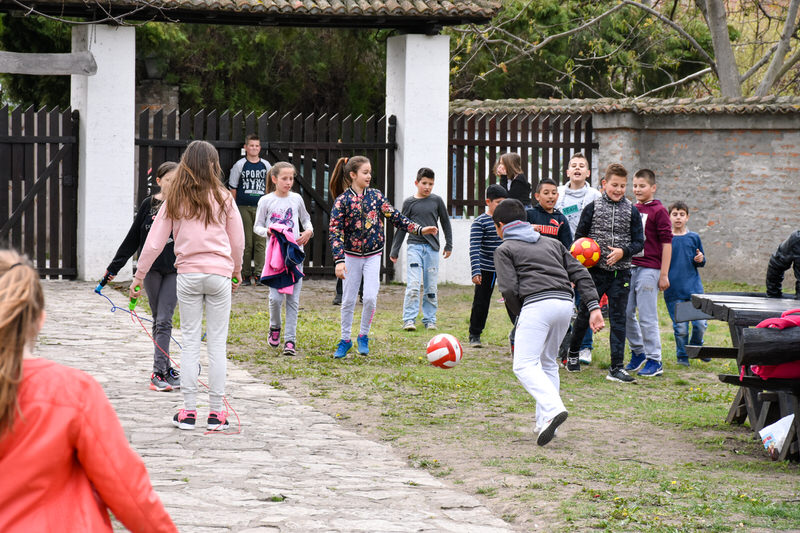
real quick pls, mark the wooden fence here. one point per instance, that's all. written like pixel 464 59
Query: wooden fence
pixel 544 142
pixel 39 194
pixel 311 143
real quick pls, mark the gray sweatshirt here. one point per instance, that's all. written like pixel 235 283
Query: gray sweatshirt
pixel 428 211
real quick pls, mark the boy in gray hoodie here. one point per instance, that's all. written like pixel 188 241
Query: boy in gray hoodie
pixel 534 276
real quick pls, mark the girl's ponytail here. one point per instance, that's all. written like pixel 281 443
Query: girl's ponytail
pixel 340 177
pixel 21 307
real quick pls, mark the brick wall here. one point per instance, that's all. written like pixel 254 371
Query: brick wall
pixel 739 174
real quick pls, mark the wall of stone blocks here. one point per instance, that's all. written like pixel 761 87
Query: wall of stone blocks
pixel 739 174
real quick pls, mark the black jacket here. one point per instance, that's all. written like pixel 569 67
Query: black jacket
pixel 134 240
pixel 787 255
pixel 518 188
pixel 554 225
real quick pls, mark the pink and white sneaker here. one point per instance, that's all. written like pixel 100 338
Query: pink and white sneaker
pixel 274 338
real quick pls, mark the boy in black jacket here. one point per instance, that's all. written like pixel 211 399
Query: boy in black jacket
pixel 546 219
pixel 534 276
pixel 787 255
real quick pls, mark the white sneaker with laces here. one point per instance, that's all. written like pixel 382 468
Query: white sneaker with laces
pixel 585 356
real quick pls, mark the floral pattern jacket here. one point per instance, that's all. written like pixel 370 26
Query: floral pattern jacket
pixel 356 225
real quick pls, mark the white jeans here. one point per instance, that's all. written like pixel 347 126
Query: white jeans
pixel 540 328
pixel 357 267
pixel 212 291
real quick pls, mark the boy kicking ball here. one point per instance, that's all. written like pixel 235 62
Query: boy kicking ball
pixel 534 276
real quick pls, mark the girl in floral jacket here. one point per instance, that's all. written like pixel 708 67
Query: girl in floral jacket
pixel 357 240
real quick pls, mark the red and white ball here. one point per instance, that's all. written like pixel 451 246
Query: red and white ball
pixel 586 251
pixel 444 351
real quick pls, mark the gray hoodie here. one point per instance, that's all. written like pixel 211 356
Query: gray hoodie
pixel 530 269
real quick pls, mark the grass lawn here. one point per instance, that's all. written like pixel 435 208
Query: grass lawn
pixel 655 456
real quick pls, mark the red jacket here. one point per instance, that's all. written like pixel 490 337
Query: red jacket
pixel 66 460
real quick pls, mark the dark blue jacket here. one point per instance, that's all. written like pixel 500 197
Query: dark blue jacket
pixel 293 257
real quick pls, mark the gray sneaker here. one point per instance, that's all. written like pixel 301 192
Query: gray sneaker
pixel 159 383
pixel 173 377
pixel 475 341
pixel 409 325
pixel 430 326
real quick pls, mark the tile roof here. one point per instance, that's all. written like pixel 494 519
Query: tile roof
pixel 332 13
pixel 641 106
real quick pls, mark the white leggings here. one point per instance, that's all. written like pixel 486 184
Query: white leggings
pixel 357 267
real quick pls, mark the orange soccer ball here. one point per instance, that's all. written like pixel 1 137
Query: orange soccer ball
pixel 586 251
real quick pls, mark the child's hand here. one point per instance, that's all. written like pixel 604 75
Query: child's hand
pixel 305 237
pixel 341 270
pixel 136 288
pixel 238 277
pixel 596 321
pixel 698 258
pixel 392 259
pixel 614 255
pixel 663 281
pixel 429 230
pixel 447 253
pixel 477 280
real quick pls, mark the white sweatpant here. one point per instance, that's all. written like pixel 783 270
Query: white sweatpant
pixel 212 291
pixel 540 328
pixel 357 267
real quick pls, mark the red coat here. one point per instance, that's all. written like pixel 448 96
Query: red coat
pixel 66 460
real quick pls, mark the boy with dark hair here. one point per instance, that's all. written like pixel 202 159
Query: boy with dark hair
pixel 422 264
pixel 546 219
pixel 615 224
pixel 684 279
pixel 248 183
pixel 535 276
pixel 649 274
pixel 483 240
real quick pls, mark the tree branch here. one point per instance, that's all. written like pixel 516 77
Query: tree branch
pixel 678 82
pixel 775 66
pixel 760 63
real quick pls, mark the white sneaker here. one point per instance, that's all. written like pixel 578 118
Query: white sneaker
pixel 585 356
pixel 409 325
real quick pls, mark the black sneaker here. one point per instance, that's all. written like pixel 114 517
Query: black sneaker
pixel 619 374
pixel 246 282
pixel 184 419
pixel 337 300
pixel 475 341
pixel 549 431
pixel 573 362
pixel 218 421
pixel 174 378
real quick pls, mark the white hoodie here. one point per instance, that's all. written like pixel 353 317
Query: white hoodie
pixel 571 202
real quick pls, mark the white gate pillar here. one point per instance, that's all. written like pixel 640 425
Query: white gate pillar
pixel 106 140
pixel 418 94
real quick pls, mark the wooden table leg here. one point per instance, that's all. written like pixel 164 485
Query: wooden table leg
pixel 738 410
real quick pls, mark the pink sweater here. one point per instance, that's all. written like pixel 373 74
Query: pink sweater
pixel 213 249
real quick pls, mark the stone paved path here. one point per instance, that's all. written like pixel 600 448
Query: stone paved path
pixel 292 468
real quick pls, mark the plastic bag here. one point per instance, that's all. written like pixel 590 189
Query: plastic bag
pixel 774 435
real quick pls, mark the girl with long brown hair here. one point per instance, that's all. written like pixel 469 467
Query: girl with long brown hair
pixel 509 170
pixel 357 240
pixel 202 218
pixel 63 453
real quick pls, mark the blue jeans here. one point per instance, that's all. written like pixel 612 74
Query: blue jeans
pixel 681 330
pixel 423 268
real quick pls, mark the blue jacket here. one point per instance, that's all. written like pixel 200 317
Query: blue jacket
pixel 293 257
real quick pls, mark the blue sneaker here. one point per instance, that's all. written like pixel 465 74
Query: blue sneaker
pixel 652 368
pixel 636 362
pixel 342 349
pixel 363 344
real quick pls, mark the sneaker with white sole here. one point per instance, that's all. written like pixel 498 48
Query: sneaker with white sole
pixel 217 421
pixel 652 368
pixel 573 362
pixel 159 383
pixel 549 430
pixel 620 375
pixel 585 356
pixel 430 326
pixel 636 362
pixel 184 419
pixel 274 338
pixel 475 341
pixel 289 348
pixel 409 325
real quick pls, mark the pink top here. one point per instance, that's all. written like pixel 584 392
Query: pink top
pixel 67 461
pixel 213 249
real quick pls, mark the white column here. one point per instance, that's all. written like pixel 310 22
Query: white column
pixel 106 157
pixel 418 94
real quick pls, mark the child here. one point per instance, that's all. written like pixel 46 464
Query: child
pixel 684 280
pixel 423 252
pixel 786 256
pixel 356 236
pixel 159 284
pixel 572 199
pixel 616 225
pixel 483 240
pixel 201 216
pixel 282 206
pixel 64 455
pixel 546 219
pixel 650 273
pixel 534 276
pixel 248 181
pixel 510 164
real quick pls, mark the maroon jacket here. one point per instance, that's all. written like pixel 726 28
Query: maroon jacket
pixel 657 233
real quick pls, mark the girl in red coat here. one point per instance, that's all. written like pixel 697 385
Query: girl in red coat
pixel 63 454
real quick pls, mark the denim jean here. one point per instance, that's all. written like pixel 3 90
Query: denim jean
pixel 423 268
pixel 642 333
pixel 681 330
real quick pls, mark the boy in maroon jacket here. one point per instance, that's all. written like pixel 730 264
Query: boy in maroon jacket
pixel 650 273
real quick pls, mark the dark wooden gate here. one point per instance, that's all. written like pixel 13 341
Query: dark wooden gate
pixel 545 142
pixel 39 204
pixel 311 143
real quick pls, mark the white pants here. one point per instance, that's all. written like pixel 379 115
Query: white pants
pixel 540 328
pixel 213 292
pixel 357 267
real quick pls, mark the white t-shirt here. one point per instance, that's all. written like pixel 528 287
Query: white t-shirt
pixel 571 202
pixel 288 210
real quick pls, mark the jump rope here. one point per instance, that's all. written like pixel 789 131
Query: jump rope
pixel 131 310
